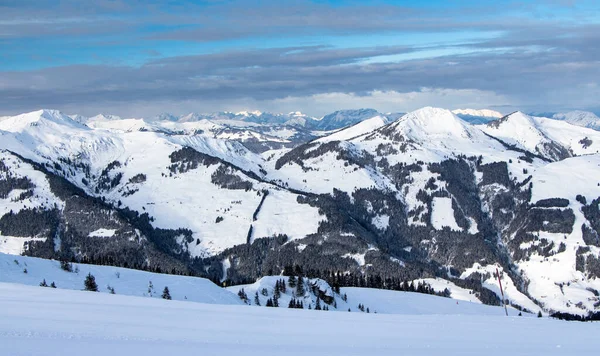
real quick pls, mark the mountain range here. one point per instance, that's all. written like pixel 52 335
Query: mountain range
pixel 234 197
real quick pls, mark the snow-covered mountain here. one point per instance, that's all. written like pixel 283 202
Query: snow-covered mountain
pixel 579 118
pixel 475 116
pixel 427 195
pixel 344 118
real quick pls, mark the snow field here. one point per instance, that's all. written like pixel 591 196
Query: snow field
pixel 40 321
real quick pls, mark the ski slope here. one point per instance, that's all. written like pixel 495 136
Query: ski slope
pixel 42 321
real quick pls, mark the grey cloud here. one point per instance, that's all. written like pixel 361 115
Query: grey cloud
pixel 548 80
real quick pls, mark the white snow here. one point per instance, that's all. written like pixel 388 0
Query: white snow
pixel 124 281
pixel 41 321
pixel 359 129
pixel 443 214
pixel 480 113
pixel 103 233
pixel 579 118
pixel 381 221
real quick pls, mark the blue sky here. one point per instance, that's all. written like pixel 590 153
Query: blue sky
pixel 139 58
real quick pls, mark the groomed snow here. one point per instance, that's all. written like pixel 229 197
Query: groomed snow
pixel 42 321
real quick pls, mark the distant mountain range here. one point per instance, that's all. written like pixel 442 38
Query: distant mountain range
pixel 234 197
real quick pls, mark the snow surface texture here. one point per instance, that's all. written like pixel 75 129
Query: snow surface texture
pixel 42 321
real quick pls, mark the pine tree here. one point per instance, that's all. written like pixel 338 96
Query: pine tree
pixel 276 293
pixel 166 294
pixel 292 303
pixel 242 295
pixel 52 285
pixel 318 304
pixel 256 299
pixel 282 286
pixel 90 283
pixel 269 302
pixel 300 291
pixel 539 314
pixel 43 283
pixel 292 281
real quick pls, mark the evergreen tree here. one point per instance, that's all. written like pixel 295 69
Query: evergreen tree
pixel 52 285
pixel 269 302
pixel 318 304
pixel 282 286
pixel 242 295
pixel 43 283
pixel 90 283
pixel 292 303
pixel 292 281
pixel 166 294
pixel 276 293
pixel 300 291
pixel 256 299
pixel 539 314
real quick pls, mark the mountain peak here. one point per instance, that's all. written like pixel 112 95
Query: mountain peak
pixel 579 118
pixel 478 113
pixel 36 118
pixel 435 121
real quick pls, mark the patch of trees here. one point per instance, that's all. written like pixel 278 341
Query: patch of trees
pixel 307 151
pixel 576 317
pixel 262 200
pixel 138 178
pixel 495 172
pixel 225 177
pixel 187 158
pixel 552 203
pixel 34 222
pixel 550 220
pixel 338 279
pixel 10 183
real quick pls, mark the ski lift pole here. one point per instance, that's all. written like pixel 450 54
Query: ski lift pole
pixel 501 291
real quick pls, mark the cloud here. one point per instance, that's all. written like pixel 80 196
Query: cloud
pixel 539 57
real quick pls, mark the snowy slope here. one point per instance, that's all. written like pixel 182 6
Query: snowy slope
pixel 480 113
pixel 552 139
pixel 361 128
pixel 140 162
pixel 124 281
pixel 579 118
pixel 37 321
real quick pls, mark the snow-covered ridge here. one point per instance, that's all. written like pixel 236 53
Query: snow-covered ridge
pixel 579 118
pixel 480 113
